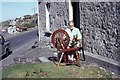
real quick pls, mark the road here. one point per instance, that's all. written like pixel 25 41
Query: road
pixel 19 43
pixel 21 39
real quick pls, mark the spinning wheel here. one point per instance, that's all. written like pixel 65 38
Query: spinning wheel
pixel 60 37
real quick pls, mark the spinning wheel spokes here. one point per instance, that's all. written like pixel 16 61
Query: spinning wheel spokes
pixel 60 36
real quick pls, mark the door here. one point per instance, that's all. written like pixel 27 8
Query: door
pixel 76 14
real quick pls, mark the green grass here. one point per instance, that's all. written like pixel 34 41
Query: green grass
pixel 50 70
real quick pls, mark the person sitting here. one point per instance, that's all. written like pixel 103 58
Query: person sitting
pixel 75 39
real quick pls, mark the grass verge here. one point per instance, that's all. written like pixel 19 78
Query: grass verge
pixel 50 70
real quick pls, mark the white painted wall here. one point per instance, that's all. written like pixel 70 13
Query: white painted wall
pixel 70 11
pixel 12 30
pixel 47 19
pixel 39 29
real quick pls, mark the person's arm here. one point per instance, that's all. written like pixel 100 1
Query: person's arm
pixel 79 34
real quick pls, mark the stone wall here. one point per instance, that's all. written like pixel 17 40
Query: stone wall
pixel 99 20
pixel 101 24
pixel 59 15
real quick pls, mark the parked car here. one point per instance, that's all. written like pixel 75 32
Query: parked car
pixel 20 29
pixel 5 49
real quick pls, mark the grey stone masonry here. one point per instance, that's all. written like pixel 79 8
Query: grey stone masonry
pixel 58 15
pixel 101 24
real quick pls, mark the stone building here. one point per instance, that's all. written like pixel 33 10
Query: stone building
pixel 100 22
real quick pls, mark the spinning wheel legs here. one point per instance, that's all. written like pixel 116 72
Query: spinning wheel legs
pixel 60 58
pixel 78 59
pixel 63 55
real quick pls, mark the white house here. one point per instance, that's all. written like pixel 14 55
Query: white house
pixel 12 28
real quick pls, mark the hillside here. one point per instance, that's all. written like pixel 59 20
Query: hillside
pixel 24 21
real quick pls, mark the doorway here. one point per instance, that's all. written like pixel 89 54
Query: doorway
pixel 76 14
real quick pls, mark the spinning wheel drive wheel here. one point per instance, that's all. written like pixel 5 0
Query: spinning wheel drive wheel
pixel 60 36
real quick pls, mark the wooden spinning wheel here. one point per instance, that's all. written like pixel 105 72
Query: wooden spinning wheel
pixel 60 39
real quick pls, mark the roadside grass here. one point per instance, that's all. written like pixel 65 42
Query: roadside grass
pixel 50 70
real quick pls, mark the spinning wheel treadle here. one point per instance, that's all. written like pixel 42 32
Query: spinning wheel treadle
pixel 60 37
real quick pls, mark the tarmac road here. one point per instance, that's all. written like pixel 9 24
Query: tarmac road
pixel 19 44
pixel 19 40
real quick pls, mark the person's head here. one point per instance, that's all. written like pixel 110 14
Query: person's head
pixel 71 24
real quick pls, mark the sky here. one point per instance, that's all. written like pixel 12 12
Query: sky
pixel 11 9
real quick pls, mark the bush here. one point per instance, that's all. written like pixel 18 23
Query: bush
pixel 29 25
